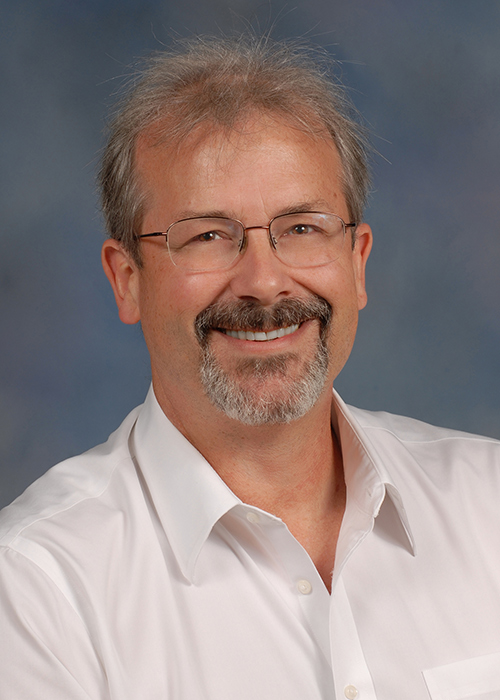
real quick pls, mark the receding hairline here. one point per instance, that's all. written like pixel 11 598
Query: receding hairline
pixel 159 130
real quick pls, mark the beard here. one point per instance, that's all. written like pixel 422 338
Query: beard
pixel 260 403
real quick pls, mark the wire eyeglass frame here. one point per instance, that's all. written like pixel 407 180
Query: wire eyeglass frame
pixel 242 241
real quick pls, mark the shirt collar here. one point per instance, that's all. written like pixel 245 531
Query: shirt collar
pixel 190 497
pixel 367 475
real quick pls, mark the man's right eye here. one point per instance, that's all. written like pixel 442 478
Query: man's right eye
pixel 206 237
pixel 210 236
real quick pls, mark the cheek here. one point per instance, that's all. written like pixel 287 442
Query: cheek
pixel 335 282
pixel 343 329
pixel 170 302
pixel 338 286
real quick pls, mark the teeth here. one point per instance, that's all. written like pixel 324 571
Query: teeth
pixel 261 335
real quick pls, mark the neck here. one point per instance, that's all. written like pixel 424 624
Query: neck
pixel 278 468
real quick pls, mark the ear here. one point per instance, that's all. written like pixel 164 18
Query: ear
pixel 360 253
pixel 123 275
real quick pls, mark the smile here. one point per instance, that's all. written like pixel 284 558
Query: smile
pixel 261 335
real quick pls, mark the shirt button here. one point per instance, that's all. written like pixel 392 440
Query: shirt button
pixel 252 517
pixel 304 586
pixel 350 691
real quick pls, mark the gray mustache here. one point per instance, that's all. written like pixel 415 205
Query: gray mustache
pixel 250 315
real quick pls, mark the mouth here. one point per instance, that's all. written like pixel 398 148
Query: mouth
pixel 260 336
pixel 248 320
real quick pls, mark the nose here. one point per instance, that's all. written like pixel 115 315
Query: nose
pixel 259 275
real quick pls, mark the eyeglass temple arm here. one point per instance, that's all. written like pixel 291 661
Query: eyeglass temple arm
pixel 148 235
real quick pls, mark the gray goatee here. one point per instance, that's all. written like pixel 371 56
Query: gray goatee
pixel 260 405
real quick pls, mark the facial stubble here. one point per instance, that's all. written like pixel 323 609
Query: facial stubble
pixel 248 393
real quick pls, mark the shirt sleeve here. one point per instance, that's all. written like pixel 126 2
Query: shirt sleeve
pixel 45 649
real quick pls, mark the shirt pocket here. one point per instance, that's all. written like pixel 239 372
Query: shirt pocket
pixel 472 679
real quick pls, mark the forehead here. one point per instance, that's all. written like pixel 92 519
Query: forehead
pixel 263 160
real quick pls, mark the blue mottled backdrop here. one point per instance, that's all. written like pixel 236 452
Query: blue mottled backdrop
pixel 426 76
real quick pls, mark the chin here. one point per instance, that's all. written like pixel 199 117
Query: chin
pixel 266 391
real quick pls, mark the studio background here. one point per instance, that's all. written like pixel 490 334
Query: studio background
pixel 426 76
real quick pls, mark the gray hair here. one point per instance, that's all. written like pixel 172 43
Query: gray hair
pixel 216 81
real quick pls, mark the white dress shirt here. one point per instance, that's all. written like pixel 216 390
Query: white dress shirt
pixel 132 572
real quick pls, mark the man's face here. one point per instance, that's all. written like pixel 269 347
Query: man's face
pixel 261 170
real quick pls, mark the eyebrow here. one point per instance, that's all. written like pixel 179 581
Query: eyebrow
pixel 303 207
pixel 296 208
pixel 211 214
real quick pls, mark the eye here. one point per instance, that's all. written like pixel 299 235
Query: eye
pixel 300 230
pixel 208 237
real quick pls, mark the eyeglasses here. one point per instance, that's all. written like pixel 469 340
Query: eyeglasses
pixel 203 244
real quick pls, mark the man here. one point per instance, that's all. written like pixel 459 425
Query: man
pixel 243 534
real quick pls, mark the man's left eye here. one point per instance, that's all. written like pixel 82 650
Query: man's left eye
pixel 300 230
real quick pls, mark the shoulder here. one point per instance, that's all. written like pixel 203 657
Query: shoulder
pixel 411 430
pixel 69 524
pixel 444 456
pixel 66 487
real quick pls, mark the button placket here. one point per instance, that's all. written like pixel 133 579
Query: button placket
pixel 310 600
pixel 348 660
